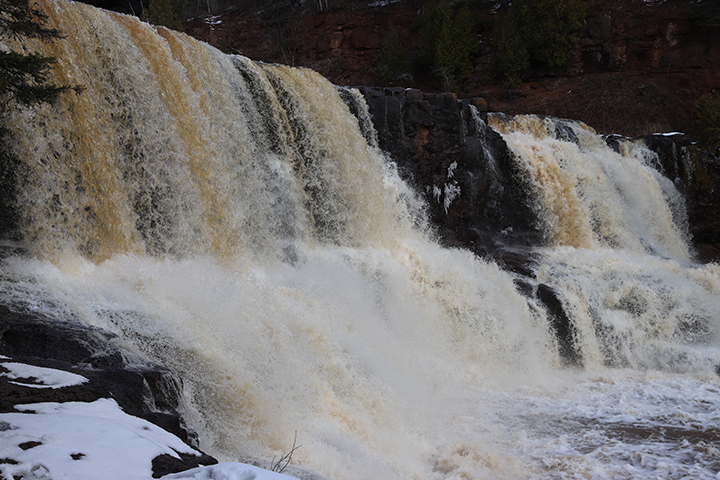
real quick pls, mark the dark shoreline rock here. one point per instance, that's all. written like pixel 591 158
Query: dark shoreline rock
pixel 141 388
pixel 166 464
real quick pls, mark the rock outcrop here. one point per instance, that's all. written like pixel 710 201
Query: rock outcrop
pixel 696 174
pixel 445 150
pixel 463 169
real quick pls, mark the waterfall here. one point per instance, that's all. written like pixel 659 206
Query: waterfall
pixel 236 222
pixel 591 196
pixel 175 148
pixel 617 247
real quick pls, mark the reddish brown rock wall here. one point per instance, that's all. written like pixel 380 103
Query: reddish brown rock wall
pixel 637 69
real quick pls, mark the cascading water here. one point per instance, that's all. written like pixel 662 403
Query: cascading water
pixel 618 251
pixel 233 221
pixel 590 196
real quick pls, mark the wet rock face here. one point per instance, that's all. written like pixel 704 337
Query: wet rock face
pixel 445 150
pixel 703 199
pixel 462 168
pixel 140 388
pixel 166 464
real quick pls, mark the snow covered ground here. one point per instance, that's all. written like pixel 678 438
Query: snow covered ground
pixel 91 441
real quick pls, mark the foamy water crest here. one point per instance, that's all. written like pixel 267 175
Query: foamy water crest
pixel 236 223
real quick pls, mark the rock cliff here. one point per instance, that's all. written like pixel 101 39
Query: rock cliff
pixel 446 151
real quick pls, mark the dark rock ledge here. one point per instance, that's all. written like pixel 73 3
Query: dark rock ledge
pixel 462 168
pixel 140 388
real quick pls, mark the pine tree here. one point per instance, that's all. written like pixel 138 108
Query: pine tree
pixel 447 40
pixel 550 27
pixel 540 31
pixel 24 77
pixel 162 12
pixel 23 80
pixel 394 61
pixel 456 47
pixel 511 49
pixel 707 109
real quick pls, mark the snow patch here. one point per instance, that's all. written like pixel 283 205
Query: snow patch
pixel 90 441
pixel 451 169
pixel 436 193
pixel 214 20
pixel 44 377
